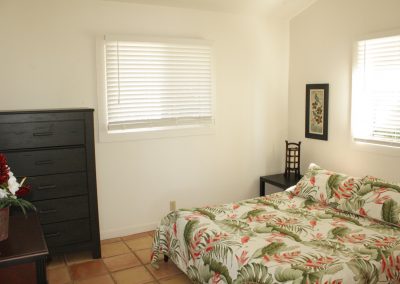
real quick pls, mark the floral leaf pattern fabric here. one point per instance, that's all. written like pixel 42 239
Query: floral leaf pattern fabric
pixel 280 238
pixel 326 186
pixel 368 196
pixel 375 198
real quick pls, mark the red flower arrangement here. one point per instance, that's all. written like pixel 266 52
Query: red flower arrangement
pixel 11 190
pixel 3 169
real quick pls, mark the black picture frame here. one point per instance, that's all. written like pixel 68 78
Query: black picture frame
pixel 317 107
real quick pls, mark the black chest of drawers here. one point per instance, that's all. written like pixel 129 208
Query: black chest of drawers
pixel 55 150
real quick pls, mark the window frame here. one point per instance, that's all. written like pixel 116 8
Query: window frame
pixel 365 144
pixel 105 135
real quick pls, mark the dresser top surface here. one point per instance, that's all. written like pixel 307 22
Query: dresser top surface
pixel 53 110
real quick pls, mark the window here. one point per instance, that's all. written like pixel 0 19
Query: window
pixel 153 85
pixel 376 91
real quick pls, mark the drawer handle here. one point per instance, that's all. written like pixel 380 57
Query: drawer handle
pixel 53 235
pixel 39 134
pixel 48 211
pixel 44 162
pixel 44 187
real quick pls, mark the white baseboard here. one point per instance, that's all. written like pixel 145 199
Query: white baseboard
pixel 125 231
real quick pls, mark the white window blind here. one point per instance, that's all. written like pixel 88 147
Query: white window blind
pixel 376 91
pixel 157 85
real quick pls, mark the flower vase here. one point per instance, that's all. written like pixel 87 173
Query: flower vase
pixel 4 216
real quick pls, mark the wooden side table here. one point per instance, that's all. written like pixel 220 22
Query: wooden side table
pixel 279 180
pixel 24 253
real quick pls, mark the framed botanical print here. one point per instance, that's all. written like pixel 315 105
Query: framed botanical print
pixel 317 102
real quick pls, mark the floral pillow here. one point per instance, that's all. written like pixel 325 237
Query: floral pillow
pixel 376 199
pixel 326 186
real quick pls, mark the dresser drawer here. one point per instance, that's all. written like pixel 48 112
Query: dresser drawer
pixel 41 134
pixel 34 163
pixel 56 186
pixel 65 233
pixel 57 210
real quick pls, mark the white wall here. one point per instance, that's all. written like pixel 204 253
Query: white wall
pixel 47 60
pixel 321 41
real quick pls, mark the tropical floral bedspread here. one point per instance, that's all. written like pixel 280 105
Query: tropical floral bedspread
pixel 279 238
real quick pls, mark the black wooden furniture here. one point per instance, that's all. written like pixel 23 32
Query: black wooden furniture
pixel 279 180
pixel 55 150
pixel 23 254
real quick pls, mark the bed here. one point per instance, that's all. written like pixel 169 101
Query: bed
pixel 330 229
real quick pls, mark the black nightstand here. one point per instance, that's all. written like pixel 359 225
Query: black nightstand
pixel 278 180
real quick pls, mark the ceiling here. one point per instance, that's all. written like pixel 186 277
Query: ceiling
pixel 280 8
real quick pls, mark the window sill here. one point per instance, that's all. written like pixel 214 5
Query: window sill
pixel 375 147
pixel 106 136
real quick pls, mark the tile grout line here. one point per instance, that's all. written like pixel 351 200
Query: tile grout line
pixel 144 264
pixel 84 261
pixel 141 262
pixel 109 272
pixel 68 270
pixel 130 250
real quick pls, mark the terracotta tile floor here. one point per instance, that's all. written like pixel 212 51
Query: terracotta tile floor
pixel 124 260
